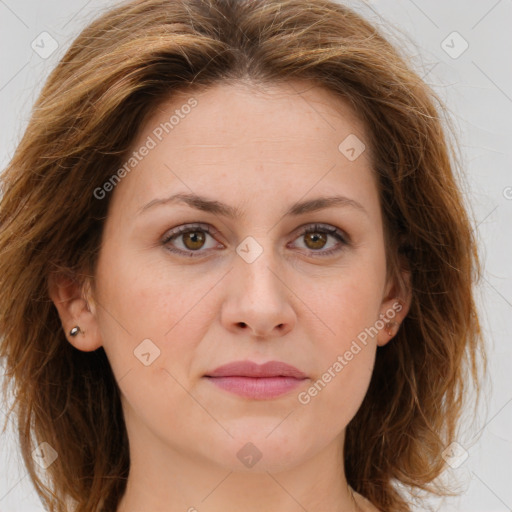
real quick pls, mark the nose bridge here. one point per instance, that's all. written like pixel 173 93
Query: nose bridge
pixel 256 267
pixel 257 298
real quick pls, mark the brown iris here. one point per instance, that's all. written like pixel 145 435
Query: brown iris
pixel 193 240
pixel 316 238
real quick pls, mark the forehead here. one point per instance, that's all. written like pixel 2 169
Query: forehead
pixel 275 111
pixel 290 137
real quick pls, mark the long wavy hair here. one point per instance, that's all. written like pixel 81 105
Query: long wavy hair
pixel 115 74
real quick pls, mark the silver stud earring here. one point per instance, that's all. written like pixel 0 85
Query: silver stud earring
pixel 73 332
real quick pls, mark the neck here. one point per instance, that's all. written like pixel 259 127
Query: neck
pixel 163 479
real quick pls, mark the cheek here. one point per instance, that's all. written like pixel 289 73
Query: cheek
pixel 334 398
pixel 151 325
pixel 346 359
pixel 152 308
pixel 353 306
pixel 148 296
pixel 346 352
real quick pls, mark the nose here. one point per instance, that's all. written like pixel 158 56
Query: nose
pixel 257 299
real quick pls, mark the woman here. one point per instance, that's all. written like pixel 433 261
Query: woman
pixel 236 266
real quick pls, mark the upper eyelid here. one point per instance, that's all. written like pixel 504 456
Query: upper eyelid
pixel 211 230
pixel 184 228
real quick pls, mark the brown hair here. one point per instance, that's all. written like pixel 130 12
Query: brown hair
pixel 84 121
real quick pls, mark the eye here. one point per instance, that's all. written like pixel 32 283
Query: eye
pixel 188 240
pixel 316 238
pixel 191 238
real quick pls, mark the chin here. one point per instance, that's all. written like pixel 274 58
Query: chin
pixel 261 446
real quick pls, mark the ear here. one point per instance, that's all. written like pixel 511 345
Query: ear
pixel 75 308
pixel 395 305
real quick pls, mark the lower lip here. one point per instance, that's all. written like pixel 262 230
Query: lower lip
pixel 259 388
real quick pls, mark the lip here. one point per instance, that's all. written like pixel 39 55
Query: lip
pixel 257 381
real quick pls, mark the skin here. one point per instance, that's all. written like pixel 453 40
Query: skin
pixel 259 149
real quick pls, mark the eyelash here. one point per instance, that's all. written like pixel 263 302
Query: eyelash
pixel 314 228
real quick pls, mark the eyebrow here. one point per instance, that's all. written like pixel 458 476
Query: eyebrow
pixel 216 207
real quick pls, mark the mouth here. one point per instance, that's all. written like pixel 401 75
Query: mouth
pixel 258 382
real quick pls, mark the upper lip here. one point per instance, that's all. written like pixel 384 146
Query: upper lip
pixel 252 369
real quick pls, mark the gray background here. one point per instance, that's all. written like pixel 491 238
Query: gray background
pixel 477 87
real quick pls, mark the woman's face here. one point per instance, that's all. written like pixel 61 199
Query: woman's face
pixel 244 282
